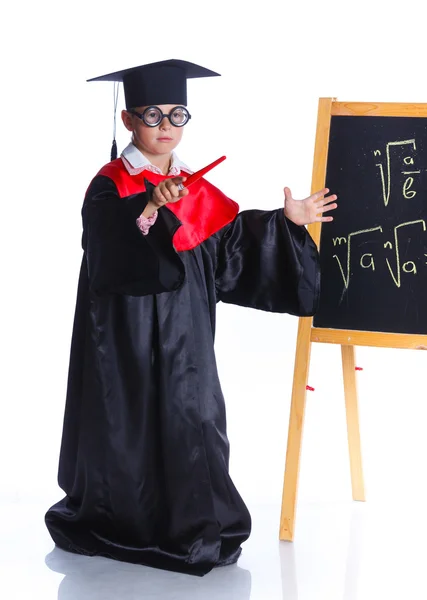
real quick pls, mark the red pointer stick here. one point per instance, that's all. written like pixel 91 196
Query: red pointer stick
pixel 195 176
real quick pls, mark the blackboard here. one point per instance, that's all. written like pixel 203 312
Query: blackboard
pixel 374 254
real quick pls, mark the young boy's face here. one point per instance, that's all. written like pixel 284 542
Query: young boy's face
pixel 158 140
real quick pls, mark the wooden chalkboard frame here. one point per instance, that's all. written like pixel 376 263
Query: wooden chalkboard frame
pixel 348 339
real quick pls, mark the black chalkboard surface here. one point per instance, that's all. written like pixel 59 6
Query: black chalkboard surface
pixel 374 254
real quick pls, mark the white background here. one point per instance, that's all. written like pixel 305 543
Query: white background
pixel 276 59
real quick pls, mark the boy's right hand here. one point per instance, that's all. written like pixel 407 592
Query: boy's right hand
pixel 166 191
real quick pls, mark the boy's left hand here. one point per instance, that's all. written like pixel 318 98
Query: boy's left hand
pixel 311 209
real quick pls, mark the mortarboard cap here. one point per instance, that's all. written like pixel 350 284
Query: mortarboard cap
pixel 163 82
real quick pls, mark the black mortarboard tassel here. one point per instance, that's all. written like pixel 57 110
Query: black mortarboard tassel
pixel 114 145
pixel 114 150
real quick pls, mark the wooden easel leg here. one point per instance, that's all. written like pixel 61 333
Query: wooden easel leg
pixel 353 429
pixel 303 349
pixel 296 423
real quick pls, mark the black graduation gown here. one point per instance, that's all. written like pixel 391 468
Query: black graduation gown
pixel 144 456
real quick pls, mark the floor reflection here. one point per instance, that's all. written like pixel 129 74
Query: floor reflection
pixel 288 571
pixel 321 554
pixel 87 578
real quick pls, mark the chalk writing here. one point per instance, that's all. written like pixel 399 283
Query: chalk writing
pixel 367 260
pixel 386 177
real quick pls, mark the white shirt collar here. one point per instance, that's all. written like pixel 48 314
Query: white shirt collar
pixel 135 162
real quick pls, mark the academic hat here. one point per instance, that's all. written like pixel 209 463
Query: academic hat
pixel 163 82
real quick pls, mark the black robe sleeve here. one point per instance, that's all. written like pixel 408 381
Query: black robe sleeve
pixel 119 258
pixel 267 262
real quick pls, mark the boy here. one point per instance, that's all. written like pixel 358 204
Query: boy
pixel 144 455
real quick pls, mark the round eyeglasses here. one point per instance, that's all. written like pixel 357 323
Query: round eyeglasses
pixel 153 116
